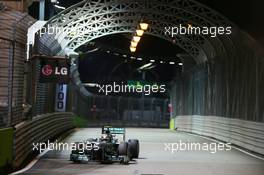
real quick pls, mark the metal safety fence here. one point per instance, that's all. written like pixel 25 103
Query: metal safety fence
pixel 230 86
pixel 22 96
pixel 124 111
pixel 13 31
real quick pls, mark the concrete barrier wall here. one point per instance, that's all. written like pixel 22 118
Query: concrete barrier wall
pixel 246 134
pixel 38 130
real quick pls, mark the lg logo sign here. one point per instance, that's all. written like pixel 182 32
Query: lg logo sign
pixel 61 71
pixel 54 71
pixel 47 70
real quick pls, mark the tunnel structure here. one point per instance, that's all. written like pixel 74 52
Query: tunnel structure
pixel 219 96
pixel 223 86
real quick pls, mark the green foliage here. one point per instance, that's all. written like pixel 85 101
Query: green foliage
pixel 79 122
pixel 6 146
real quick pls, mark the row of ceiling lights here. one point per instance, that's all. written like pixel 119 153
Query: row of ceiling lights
pixel 141 59
pixel 143 26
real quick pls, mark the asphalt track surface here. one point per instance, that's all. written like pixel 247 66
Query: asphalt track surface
pixel 154 159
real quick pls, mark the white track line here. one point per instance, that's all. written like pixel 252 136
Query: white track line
pixel 31 164
pixel 34 161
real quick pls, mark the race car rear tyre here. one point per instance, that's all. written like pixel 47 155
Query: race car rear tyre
pixel 123 149
pixel 134 147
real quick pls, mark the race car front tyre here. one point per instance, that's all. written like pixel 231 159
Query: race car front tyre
pixel 104 158
pixel 134 148
pixel 123 150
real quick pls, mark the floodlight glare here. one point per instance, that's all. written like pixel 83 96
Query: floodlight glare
pixel 136 38
pixel 140 32
pixel 143 26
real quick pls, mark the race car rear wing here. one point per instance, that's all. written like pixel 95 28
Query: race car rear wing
pixel 114 130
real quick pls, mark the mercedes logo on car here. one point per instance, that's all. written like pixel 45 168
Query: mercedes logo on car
pixel 47 70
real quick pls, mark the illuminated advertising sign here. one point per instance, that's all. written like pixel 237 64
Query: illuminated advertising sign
pixel 61 97
pixel 54 70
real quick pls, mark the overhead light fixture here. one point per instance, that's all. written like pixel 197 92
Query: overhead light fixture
pixel 134 44
pixel 151 67
pixel 143 26
pixel 91 84
pixel 136 38
pixel 172 62
pixel 140 59
pixel 133 49
pixel 152 61
pixel 180 64
pixel 161 62
pixel 145 66
pixel 140 32
pixel 59 7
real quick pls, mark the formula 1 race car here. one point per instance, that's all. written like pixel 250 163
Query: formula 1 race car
pixel 107 148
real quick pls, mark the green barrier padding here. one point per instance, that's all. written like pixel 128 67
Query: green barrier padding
pixel 172 124
pixel 6 146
